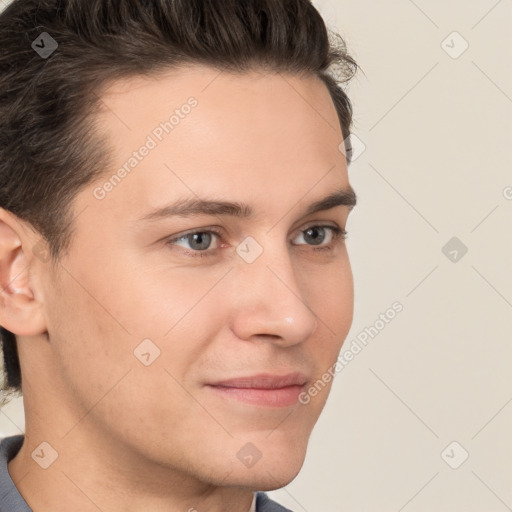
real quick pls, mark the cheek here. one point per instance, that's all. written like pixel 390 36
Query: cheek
pixel 89 346
pixel 164 317
pixel 154 299
pixel 332 300
pixel 331 295
pixel 94 335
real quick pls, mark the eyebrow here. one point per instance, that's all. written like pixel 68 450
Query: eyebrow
pixel 193 206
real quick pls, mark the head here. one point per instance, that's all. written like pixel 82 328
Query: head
pixel 112 310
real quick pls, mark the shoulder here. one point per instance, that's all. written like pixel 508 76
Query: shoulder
pixel 10 498
pixel 265 504
pixel 9 447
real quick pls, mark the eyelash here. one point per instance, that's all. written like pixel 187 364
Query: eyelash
pixel 339 235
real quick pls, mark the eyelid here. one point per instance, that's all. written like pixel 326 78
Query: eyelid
pixel 220 231
pixel 318 223
pixel 338 235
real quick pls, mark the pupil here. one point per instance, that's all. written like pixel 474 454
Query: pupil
pixel 199 238
pixel 315 240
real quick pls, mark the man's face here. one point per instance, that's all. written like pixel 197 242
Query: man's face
pixel 140 325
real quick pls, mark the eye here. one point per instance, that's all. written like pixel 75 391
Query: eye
pixel 316 235
pixel 199 242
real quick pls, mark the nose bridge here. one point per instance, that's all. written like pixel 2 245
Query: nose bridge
pixel 270 300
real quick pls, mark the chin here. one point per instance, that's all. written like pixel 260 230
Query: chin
pixel 277 467
pixel 275 479
pixel 263 479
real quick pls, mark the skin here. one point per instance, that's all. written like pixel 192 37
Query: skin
pixel 133 437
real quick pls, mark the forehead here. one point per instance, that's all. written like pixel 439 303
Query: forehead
pixel 255 134
pixel 261 102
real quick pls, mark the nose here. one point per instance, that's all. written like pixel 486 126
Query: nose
pixel 270 305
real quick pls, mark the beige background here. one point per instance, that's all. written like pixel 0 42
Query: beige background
pixel 436 165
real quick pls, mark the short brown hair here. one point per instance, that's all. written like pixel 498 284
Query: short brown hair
pixel 48 148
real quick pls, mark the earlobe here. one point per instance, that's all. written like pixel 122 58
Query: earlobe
pixel 20 312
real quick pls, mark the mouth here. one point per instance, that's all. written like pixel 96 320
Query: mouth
pixel 265 390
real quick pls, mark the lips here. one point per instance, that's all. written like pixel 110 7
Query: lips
pixel 264 381
pixel 264 390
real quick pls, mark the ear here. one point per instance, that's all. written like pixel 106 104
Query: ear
pixel 21 310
